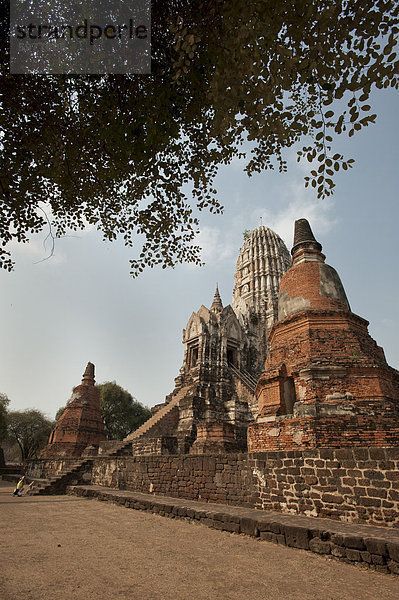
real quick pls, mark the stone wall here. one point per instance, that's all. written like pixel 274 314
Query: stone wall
pixel 354 485
pixel 155 445
pixel 356 430
pixel 108 446
pixel 42 469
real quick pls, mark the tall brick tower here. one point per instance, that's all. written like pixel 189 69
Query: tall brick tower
pixel 326 383
pixel 262 261
pixel 81 424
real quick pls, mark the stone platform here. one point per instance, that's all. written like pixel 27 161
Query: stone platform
pixel 373 547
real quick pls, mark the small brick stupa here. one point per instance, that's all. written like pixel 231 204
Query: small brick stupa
pixel 326 382
pixel 81 424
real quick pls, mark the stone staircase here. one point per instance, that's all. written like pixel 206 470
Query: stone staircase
pixel 124 447
pixel 159 415
pixel 58 483
pixel 246 378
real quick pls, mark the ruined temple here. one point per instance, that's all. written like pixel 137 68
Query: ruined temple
pixel 326 383
pixel 213 400
pixel 287 366
pixel 321 421
pixel 81 424
pixel 224 352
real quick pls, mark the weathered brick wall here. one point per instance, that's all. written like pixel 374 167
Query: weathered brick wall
pixel 351 484
pixel 343 392
pixel 108 446
pixel 155 445
pixel 42 469
pixel 332 431
pixel 226 478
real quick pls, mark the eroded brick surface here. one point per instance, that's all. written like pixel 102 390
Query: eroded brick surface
pixel 81 423
pixel 340 484
pixel 326 382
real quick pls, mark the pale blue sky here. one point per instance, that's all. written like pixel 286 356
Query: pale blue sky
pixel 82 305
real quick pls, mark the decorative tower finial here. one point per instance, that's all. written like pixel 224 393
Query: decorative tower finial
pixel 304 238
pixel 217 305
pixel 88 375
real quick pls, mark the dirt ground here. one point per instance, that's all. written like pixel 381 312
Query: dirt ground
pixel 67 548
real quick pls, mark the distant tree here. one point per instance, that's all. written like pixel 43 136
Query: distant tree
pixel 30 429
pixel 59 412
pixel 120 411
pixel 4 402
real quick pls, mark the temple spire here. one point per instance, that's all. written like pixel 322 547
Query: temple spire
pixel 304 238
pixel 217 305
pixel 81 424
pixel 88 375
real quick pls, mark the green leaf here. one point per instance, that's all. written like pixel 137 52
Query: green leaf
pixel 98 149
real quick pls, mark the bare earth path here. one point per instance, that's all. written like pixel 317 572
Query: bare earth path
pixel 67 548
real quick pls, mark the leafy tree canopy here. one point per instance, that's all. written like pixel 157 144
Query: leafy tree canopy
pixel 120 411
pixel 59 412
pixel 30 429
pixel 4 402
pixel 138 154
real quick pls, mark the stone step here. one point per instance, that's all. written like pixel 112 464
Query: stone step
pixel 123 445
pixel 45 486
pixel 245 377
pixel 159 415
pixel 65 471
pixel 152 421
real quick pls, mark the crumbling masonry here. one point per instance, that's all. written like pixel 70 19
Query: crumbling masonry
pixel 326 383
pixel 81 424
pixel 284 402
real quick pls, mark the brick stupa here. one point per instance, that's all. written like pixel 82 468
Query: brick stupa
pixel 326 382
pixel 81 424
